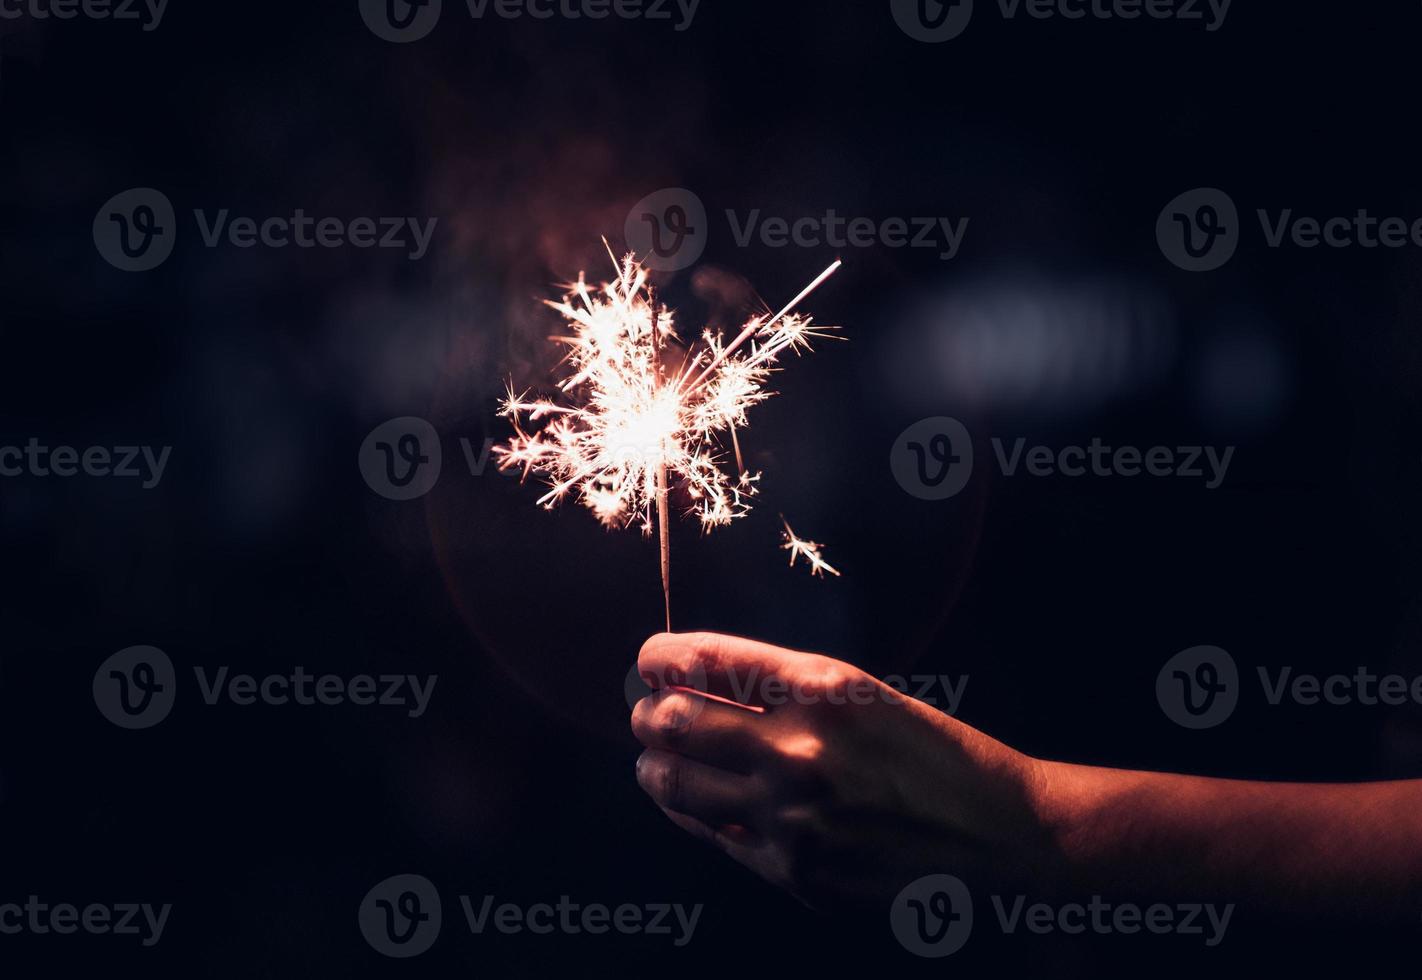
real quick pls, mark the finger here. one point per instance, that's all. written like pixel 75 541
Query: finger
pixel 713 796
pixel 743 846
pixel 748 849
pixel 690 725
pixel 728 666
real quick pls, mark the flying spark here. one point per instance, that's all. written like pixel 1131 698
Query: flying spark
pixel 809 550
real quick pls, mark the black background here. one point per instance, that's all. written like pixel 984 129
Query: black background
pixel 263 548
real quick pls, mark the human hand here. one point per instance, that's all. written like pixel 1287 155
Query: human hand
pixel 838 788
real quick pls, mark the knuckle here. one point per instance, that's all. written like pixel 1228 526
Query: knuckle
pixel 802 836
pixel 671 785
pixel 837 674
pixel 823 684
pixel 644 719
pixel 808 776
pixel 673 714
pixel 681 660
pixel 836 679
pixel 798 759
pixel 709 652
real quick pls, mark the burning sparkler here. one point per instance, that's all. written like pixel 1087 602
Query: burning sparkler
pixel 630 424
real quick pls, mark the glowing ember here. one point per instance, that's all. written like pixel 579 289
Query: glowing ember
pixel 629 423
pixel 809 550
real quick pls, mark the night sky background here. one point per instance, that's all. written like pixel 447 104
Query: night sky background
pixel 1059 321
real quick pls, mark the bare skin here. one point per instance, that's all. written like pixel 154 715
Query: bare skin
pixel 842 791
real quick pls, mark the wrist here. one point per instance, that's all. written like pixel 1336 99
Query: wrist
pixel 1060 801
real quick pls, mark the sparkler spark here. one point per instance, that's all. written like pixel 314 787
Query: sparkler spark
pixel 630 421
pixel 809 550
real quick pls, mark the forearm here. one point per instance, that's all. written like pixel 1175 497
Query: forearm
pixel 1294 848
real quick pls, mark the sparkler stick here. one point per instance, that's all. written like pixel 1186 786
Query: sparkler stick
pixel 623 431
pixel 664 525
pixel 663 508
pixel 755 325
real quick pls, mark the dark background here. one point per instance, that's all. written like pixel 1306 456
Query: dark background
pixel 263 548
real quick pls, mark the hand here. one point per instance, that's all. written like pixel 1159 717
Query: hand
pixel 840 789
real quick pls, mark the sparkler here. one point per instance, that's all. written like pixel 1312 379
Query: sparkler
pixel 627 425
